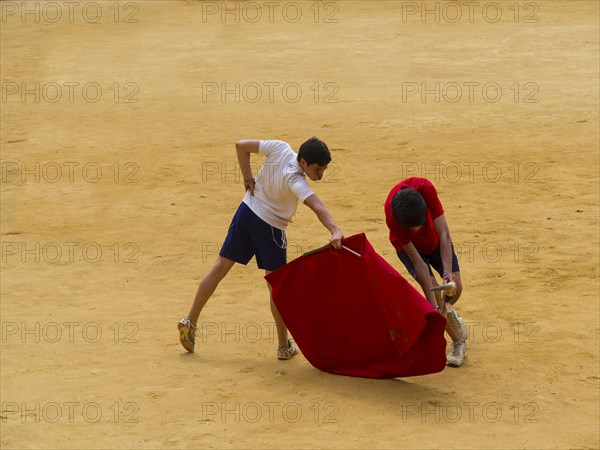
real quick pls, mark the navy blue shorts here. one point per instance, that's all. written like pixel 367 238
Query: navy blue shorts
pixel 250 236
pixel 433 260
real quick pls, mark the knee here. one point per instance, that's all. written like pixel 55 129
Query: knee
pixel 220 268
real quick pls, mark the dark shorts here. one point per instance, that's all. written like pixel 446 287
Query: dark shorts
pixel 250 236
pixel 433 260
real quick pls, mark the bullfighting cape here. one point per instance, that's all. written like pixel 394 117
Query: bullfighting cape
pixel 357 316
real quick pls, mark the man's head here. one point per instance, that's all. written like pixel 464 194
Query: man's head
pixel 314 157
pixel 409 208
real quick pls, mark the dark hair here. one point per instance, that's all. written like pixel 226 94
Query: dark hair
pixel 409 208
pixel 314 151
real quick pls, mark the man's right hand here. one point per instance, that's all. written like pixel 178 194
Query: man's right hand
pixel 336 239
pixel 249 185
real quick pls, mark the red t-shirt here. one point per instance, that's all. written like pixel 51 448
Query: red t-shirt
pixel 426 239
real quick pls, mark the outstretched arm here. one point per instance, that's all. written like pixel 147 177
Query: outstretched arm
pixel 315 203
pixel 243 148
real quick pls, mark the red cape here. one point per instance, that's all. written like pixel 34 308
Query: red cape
pixel 358 316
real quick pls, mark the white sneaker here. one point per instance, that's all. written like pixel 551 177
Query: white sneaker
pixel 458 354
pixel 287 353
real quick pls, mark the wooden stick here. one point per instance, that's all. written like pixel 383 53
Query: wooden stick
pixel 317 250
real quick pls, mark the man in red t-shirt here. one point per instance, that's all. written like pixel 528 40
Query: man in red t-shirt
pixel 420 235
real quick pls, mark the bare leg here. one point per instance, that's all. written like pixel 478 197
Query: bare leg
pixel 282 334
pixel 209 283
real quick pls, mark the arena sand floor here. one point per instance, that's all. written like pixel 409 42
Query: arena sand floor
pixel 119 180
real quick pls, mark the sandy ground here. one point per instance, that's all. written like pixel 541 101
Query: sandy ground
pixel 119 180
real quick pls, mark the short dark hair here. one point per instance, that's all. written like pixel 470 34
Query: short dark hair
pixel 315 151
pixel 409 208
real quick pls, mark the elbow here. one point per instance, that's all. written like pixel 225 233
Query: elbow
pixel 246 146
pixel 242 144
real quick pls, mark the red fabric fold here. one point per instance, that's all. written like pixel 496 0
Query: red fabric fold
pixel 358 316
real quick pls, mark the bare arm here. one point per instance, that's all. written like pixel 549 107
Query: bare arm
pixel 441 226
pixel 421 272
pixel 315 203
pixel 243 148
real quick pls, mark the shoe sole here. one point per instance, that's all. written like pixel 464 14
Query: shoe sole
pixel 449 364
pixel 187 344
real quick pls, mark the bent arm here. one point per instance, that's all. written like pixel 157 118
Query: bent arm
pixel 243 149
pixel 315 203
pixel 421 273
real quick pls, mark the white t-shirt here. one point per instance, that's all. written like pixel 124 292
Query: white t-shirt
pixel 280 183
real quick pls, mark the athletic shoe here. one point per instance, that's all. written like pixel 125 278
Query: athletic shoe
pixel 458 354
pixel 187 333
pixel 287 353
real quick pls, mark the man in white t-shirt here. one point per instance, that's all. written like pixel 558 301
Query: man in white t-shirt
pixel 258 227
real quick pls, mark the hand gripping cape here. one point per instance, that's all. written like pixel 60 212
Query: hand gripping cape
pixel 357 316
